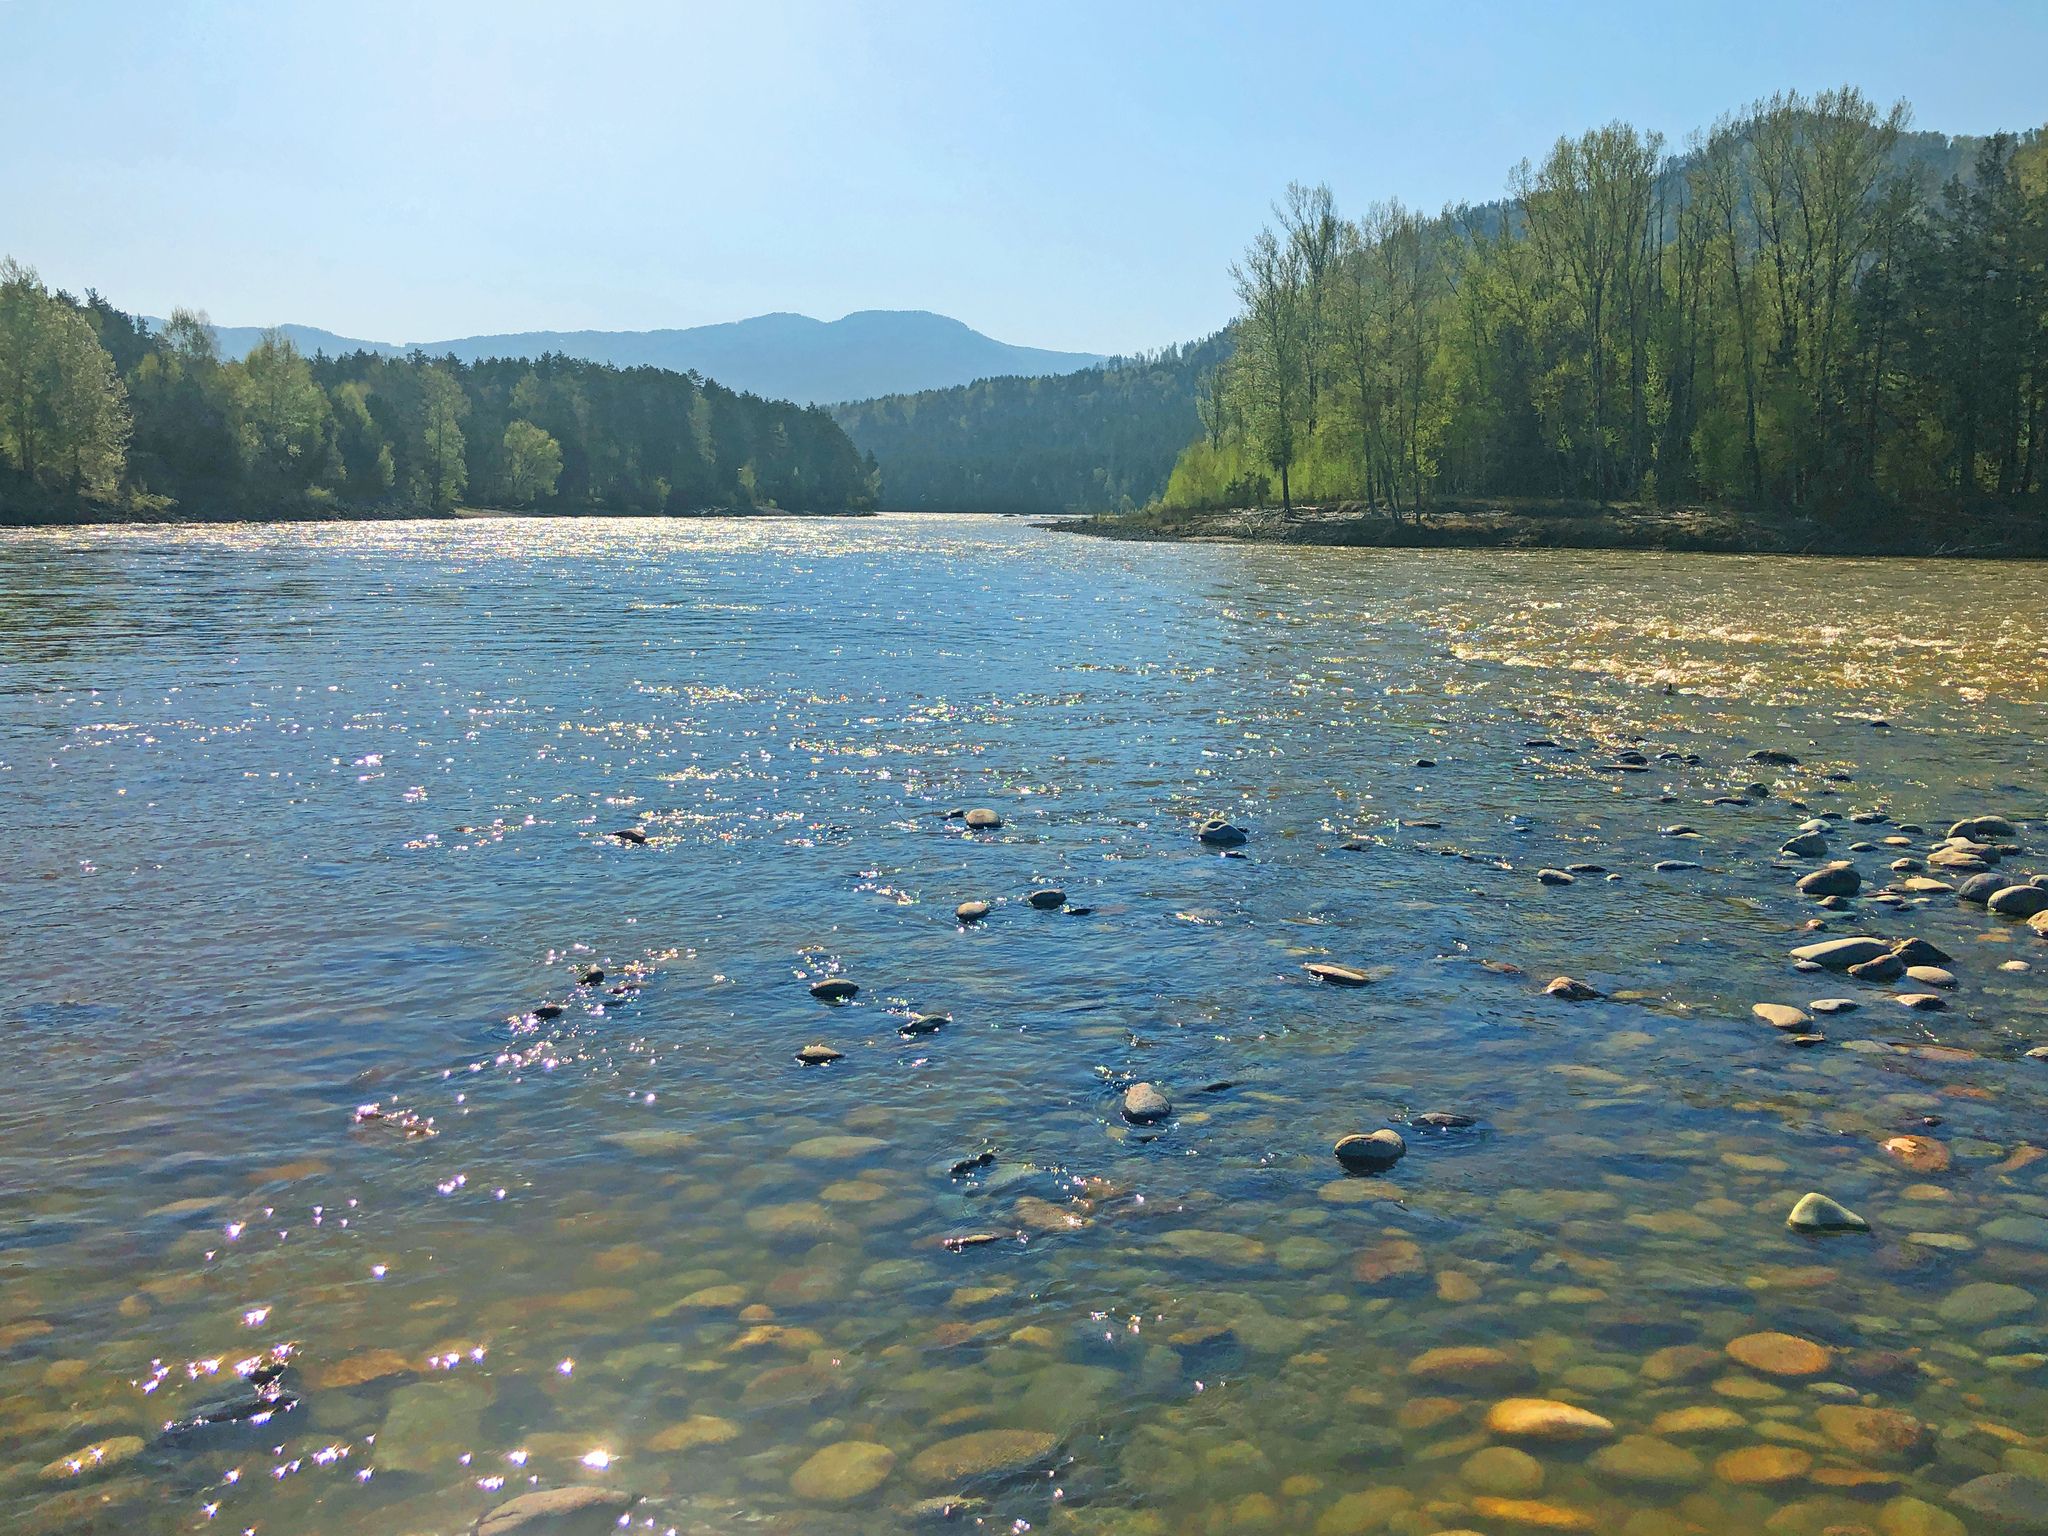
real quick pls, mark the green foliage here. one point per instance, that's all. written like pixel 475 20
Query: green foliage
pixel 1782 316
pixel 533 462
pixel 281 434
pixel 64 417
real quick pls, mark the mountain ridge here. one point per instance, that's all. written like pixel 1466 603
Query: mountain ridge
pixel 779 356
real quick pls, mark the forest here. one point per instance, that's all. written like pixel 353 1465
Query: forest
pixel 101 418
pixel 1793 315
pixel 1101 439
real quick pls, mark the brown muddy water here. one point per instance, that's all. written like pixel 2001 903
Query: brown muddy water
pixel 301 820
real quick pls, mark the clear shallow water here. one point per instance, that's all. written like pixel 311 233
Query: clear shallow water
pixel 301 819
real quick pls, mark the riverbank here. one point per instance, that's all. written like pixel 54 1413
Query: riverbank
pixel 1505 524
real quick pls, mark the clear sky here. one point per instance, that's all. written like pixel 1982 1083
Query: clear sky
pixel 1059 175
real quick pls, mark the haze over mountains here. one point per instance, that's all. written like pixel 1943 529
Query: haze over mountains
pixel 779 357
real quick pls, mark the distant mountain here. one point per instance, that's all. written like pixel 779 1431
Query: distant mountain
pixel 780 357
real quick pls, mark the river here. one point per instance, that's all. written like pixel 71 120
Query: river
pixel 304 824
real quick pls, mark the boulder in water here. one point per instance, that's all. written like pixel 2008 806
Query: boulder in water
pixel 1218 833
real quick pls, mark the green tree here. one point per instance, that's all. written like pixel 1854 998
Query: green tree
pixel 444 470
pixel 1271 366
pixel 284 418
pixel 533 462
pixel 64 417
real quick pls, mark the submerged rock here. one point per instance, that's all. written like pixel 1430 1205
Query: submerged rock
pixel 1554 877
pixel 1650 1461
pixel 558 1512
pixel 971 911
pixel 1218 833
pixel 1047 898
pixel 835 989
pixel 1780 1354
pixel 841 1473
pixel 988 1453
pixel 1542 1418
pixel 818 1055
pixel 982 819
pixel 2010 1500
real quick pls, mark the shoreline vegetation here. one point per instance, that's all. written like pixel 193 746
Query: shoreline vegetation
pixel 103 420
pixel 1792 335
pixel 1498 523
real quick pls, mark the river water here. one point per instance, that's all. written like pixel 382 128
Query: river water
pixel 306 819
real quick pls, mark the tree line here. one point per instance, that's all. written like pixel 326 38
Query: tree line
pixel 100 416
pixel 1788 315
pixel 1099 440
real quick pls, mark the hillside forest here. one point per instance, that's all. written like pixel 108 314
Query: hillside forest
pixel 1790 315
pixel 100 417
pixel 1103 439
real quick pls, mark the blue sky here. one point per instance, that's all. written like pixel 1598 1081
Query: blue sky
pixel 1057 175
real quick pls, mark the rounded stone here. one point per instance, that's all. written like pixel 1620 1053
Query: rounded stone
pixel 1780 1354
pixel 1922 1154
pixel 1831 880
pixel 841 1473
pixel 1554 877
pixel 971 911
pixel 1916 1517
pixel 836 1149
pixel 1048 898
pixel 1336 975
pixel 986 1453
pixel 2019 901
pixel 558 1511
pixel 1572 991
pixel 1984 1302
pixel 1755 1465
pixel 1780 1016
pixel 1704 1419
pixel 982 818
pixel 91 1460
pixel 835 990
pixel 1645 1459
pixel 799 1218
pixel 1815 1212
pixel 1542 1418
pixel 1373 1152
pixel 1144 1104
pixel 1473 1366
pixel 2008 1500
pixel 1872 1434
pixel 1502 1470
pixel 1931 976
pixel 818 1055
pixel 1218 833
pixel 1840 954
